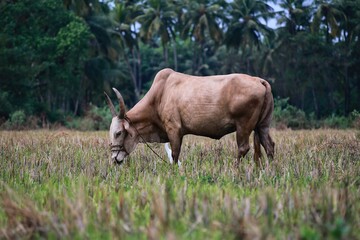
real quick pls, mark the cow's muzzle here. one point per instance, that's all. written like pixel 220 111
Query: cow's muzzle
pixel 115 159
pixel 118 154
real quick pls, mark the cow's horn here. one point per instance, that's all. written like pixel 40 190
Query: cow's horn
pixel 121 104
pixel 111 105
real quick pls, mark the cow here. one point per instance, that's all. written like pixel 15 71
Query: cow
pixel 178 104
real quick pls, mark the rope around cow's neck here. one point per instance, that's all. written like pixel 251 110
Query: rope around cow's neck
pixel 129 121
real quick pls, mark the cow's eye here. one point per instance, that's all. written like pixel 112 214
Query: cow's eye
pixel 117 133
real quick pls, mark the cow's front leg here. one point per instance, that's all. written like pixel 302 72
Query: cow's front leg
pixel 168 152
pixel 175 143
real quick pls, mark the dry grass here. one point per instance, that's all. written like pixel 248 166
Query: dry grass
pixel 60 184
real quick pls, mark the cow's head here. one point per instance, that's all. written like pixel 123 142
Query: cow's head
pixel 123 137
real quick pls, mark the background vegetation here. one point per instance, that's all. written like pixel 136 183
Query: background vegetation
pixel 57 57
pixel 60 184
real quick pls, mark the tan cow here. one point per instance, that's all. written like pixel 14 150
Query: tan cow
pixel 178 104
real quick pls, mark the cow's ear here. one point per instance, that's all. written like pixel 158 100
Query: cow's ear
pixel 129 129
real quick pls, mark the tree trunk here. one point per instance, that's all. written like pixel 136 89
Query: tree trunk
pixel 133 78
pixel 315 102
pixel 175 56
pixel 195 58
pixel 76 107
pixel 347 91
pixel 247 66
pixel 48 99
pixel 165 53
pixel 139 75
pixel 302 98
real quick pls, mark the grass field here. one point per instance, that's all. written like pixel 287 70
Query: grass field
pixel 60 184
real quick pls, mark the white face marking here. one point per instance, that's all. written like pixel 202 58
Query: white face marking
pixel 122 143
pixel 115 128
pixel 117 136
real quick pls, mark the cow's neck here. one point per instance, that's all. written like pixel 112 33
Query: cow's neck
pixel 145 124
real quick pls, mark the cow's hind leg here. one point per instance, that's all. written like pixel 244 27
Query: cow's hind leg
pixel 267 142
pixel 257 147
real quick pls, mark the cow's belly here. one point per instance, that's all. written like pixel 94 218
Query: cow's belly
pixel 208 126
pixel 212 131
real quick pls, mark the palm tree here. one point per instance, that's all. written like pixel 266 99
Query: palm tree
pixel 92 12
pixel 159 20
pixel 328 15
pixel 115 42
pixel 291 38
pixel 348 42
pixel 104 49
pixel 124 15
pixel 246 28
pixel 201 17
pixel 351 22
pixel 201 21
pixel 80 7
pixel 295 16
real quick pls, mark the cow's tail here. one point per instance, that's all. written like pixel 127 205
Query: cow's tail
pixel 268 106
pixel 261 131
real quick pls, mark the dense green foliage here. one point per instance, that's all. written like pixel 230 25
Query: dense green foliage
pixel 43 50
pixel 57 57
pixel 61 185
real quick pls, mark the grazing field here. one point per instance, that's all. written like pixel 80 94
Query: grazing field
pixel 60 184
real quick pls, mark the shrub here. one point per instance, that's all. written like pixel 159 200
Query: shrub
pixel 335 121
pixel 101 117
pixel 286 115
pixel 16 120
pixel 82 124
pixel 355 116
pixel 97 118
